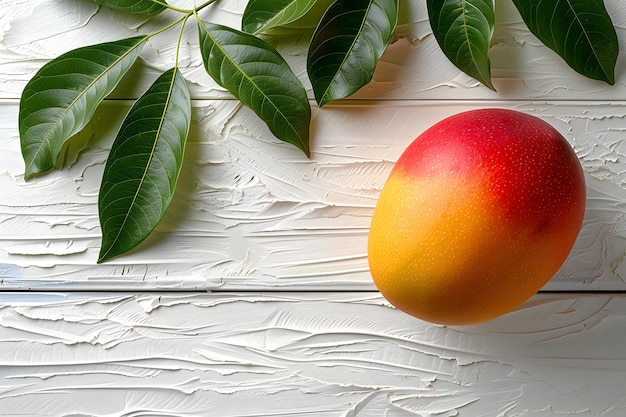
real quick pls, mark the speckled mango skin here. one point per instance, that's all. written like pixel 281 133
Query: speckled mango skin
pixel 479 212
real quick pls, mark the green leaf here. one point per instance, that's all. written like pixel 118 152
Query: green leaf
pixel 257 75
pixel 143 7
pixel 463 29
pixel 580 31
pixel 143 167
pixel 347 44
pixel 63 95
pixel 262 15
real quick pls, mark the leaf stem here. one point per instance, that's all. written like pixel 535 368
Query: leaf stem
pixel 203 5
pixel 171 25
pixel 180 37
pixel 169 6
pixel 187 12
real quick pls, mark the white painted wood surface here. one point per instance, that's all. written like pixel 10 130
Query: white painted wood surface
pixel 296 354
pixel 262 227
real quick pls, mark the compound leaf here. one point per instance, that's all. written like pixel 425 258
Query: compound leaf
pixel 580 31
pixel 143 7
pixel 144 164
pixel 61 98
pixel 347 44
pixel 463 29
pixel 262 15
pixel 257 75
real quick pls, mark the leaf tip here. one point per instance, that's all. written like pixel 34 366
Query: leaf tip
pixel 33 170
pixel 103 256
pixel 109 250
pixel 322 100
pixel 484 79
pixel 304 147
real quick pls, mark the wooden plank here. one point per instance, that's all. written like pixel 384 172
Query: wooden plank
pixel 253 213
pixel 412 68
pixel 318 354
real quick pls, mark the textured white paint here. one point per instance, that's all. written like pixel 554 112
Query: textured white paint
pixel 413 67
pixel 251 213
pixel 289 354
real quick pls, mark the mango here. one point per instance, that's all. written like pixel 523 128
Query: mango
pixel 477 215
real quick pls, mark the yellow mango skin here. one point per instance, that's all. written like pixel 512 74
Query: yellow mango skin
pixel 464 230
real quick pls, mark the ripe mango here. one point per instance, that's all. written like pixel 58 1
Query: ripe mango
pixel 477 215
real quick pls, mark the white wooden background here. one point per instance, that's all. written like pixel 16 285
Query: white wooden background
pixel 253 297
